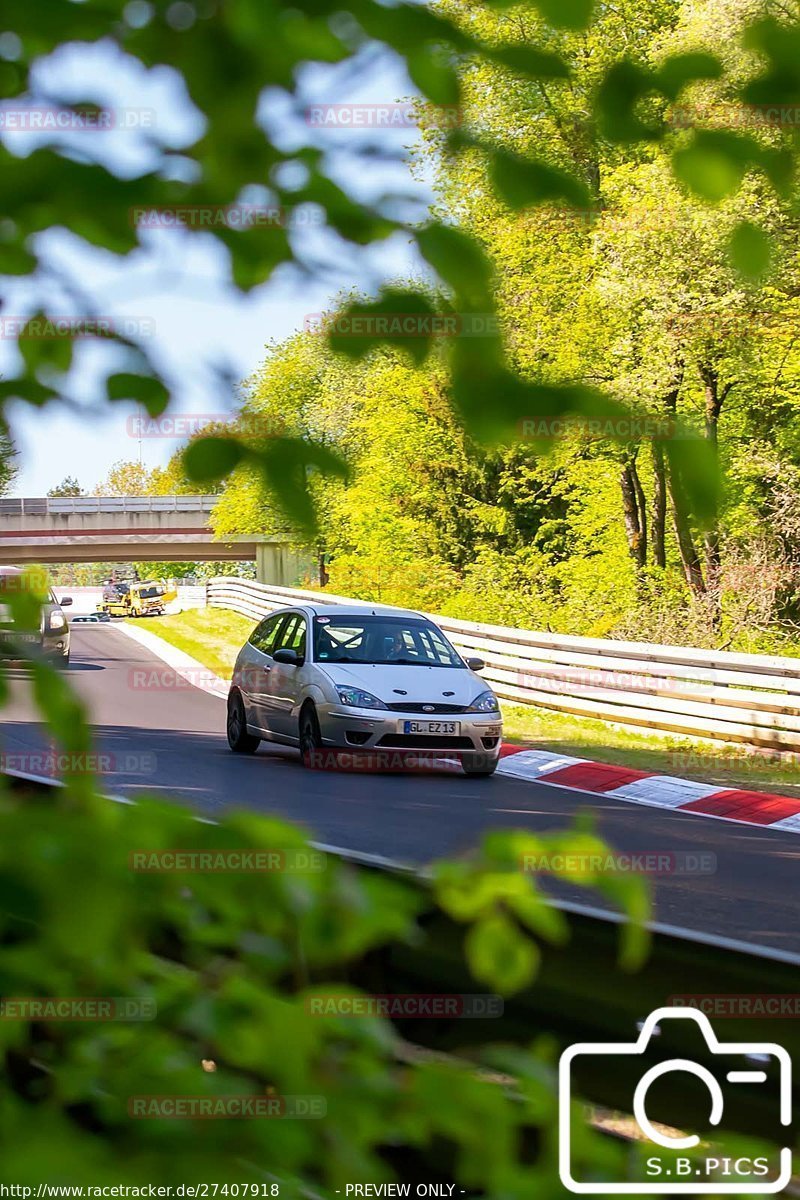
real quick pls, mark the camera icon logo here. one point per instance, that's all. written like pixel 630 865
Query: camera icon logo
pixel 686 1176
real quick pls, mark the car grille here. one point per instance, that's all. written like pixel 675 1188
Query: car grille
pixel 427 708
pixel 420 741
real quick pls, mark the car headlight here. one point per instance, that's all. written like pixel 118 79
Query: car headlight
pixel 355 698
pixel 486 702
pixel 57 620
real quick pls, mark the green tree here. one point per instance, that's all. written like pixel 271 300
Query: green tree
pixel 125 478
pixel 9 467
pixel 69 486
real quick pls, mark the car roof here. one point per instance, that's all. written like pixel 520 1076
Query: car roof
pixel 351 610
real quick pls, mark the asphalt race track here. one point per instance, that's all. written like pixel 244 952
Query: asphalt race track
pixel 173 740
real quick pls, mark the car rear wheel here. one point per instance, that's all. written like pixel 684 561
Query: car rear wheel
pixel 479 770
pixel 239 740
pixel 310 737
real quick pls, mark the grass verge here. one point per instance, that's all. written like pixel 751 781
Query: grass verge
pixel 214 637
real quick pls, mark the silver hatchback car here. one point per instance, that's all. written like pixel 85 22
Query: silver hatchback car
pixel 371 680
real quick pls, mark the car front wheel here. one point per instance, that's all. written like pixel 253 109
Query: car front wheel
pixel 310 737
pixel 239 740
pixel 479 770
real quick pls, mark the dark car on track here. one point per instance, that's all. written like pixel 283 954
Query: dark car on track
pixel 52 637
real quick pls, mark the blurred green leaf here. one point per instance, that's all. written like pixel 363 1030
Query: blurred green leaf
pixel 436 78
pixel 286 464
pixel 713 164
pixel 143 389
pixel 208 459
pixel 777 87
pixel 500 955
pixel 695 464
pixel 531 62
pixel 679 70
pixel 35 393
pixel 566 14
pixel 625 85
pixel 460 262
pixel 402 318
pixel 750 249
pixel 521 182
pixel 16 260
pixel 44 343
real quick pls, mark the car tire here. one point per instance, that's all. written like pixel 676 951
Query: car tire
pixel 239 740
pixel 310 737
pixel 479 772
pixel 62 662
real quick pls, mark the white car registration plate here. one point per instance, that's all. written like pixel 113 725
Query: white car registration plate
pixel 431 727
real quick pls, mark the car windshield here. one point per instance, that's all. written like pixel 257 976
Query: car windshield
pixel 154 589
pixel 406 641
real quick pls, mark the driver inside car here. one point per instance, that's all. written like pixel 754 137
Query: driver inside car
pixel 396 648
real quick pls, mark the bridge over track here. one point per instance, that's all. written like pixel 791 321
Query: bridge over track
pixel 133 528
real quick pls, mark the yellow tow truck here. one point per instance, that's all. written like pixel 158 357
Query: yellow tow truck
pixel 137 599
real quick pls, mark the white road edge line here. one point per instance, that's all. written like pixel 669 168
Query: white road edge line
pixel 194 672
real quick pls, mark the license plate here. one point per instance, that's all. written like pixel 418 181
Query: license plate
pixel 431 727
pixel 10 638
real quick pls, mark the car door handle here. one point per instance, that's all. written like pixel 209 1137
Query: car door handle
pixel 266 670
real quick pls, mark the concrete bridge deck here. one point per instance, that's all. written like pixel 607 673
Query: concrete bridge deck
pixel 91 529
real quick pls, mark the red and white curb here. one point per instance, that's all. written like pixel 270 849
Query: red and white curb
pixel 657 791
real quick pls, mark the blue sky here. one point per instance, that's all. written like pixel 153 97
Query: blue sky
pixel 176 286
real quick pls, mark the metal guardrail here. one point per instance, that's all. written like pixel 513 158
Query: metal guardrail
pixel 582 995
pixel 69 505
pixel 752 699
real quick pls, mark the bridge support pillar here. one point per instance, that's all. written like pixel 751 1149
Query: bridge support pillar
pixel 280 564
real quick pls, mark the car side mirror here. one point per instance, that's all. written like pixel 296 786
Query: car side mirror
pixel 289 658
pixel 475 664
pixel 65 601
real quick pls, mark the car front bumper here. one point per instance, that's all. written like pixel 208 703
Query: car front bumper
pixel 478 736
